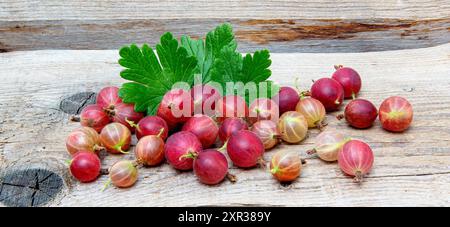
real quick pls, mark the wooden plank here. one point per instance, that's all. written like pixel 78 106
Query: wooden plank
pixel 277 35
pixel 26 10
pixel 281 26
pixel 411 169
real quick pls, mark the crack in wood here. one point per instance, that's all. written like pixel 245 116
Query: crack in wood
pixel 29 187
pixel 76 102
pixel 409 175
pixel 278 35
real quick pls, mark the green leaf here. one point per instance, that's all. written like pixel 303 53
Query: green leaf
pixel 206 52
pixel 256 68
pixel 196 48
pixel 228 67
pixel 152 78
pixel 231 67
pixel 221 37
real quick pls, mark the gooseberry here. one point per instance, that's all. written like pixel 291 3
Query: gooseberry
pixel 108 97
pixel 116 138
pixel 396 114
pixel 329 92
pixel 263 109
pixel 328 144
pixel 151 125
pixel 293 127
pixel 267 131
pixel 313 110
pixel 286 166
pixel 83 139
pixel 123 174
pixel 204 127
pixel 245 149
pixel 210 166
pixel 349 79
pixel 231 126
pixel 93 116
pixel 287 98
pixel 360 113
pixel 231 106
pixel 205 98
pixel 180 148
pixel 176 107
pixel 356 159
pixel 85 166
pixel 123 113
pixel 149 150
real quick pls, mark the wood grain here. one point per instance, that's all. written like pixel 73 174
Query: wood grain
pixel 281 26
pixel 277 35
pixel 411 168
pixel 26 10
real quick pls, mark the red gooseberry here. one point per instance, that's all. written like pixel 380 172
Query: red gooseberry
pixel 287 98
pixel 85 166
pixel 149 150
pixel 263 109
pixel 360 113
pixel 245 149
pixel 231 106
pixel 286 166
pixel 396 114
pixel 349 79
pixel 205 98
pixel 210 166
pixel 116 138
pixel 313 110
pixel 123 113
pixel 231 126
pixel 329 92
pixel 180 148
pixel 108 97
pixel 93 116
pixel 267 131
pixel 328 144
pixel 204 127
pixel 151 125
pixel 176 107
pixel 83 139
pixel 123 174
pixel 356 159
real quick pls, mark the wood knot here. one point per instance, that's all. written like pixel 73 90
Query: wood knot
pixel 29 187
pixel 75 103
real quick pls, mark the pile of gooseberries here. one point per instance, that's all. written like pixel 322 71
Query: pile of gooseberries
pixel 227 129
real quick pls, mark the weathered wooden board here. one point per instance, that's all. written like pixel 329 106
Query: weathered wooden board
pixel 14 10
pixel 411 168
pixel 281 26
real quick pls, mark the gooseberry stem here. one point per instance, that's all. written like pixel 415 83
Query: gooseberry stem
pixel 224 147
pixel 311 152
pixel 104 171
pixel 160 133
pixel 106 185
pixel 190 154
pixel 274 170
pixel 98 148
pixel 358 177
pixel 119 148
pixel 232 178
pixel 74 118
pixel 338 66
pixel 132 124
pixel 262 162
